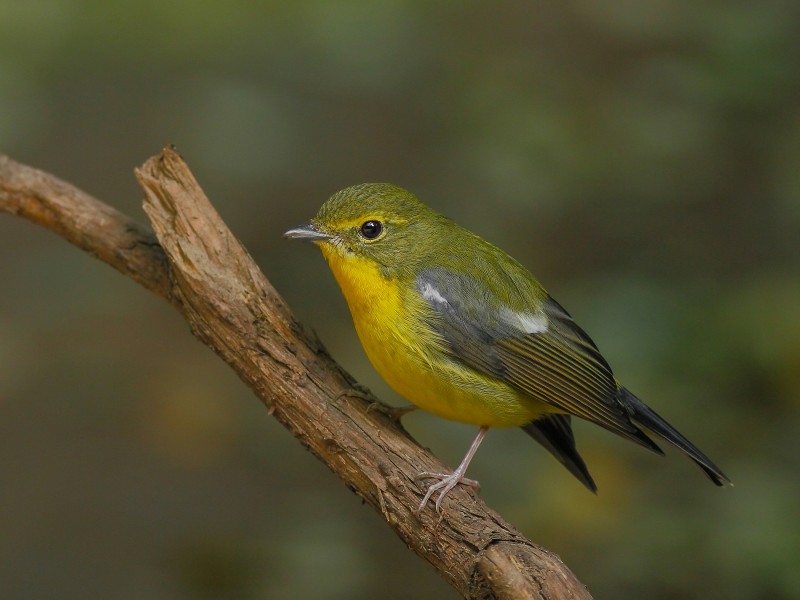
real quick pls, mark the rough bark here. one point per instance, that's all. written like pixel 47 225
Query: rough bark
pixel 196 263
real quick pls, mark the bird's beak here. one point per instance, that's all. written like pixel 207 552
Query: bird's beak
pixel 308 232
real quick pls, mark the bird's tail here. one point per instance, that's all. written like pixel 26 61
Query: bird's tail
pixel 554 432
pixel 647 417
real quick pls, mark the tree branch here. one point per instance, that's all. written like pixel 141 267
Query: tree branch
pixel 196 263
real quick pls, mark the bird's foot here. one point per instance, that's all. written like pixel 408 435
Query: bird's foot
pixel 395 413
pixel 447 481
pixel 356 390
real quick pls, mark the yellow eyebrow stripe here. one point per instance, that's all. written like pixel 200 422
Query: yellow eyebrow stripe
pixel 358 221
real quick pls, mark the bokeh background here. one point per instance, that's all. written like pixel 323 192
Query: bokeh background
pixel 641 158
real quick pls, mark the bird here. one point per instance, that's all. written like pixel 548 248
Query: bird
pixel 462 330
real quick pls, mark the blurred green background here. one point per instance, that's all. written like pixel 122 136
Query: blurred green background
pixel 641 158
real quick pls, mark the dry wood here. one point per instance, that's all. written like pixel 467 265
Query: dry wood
pixel 197 264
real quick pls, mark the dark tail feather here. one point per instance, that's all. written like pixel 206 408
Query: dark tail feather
pixel 647 417
pixel 555 433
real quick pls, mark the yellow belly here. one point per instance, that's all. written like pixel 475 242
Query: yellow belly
pixel 410 357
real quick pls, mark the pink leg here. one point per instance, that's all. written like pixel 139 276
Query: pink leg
pixel 448 482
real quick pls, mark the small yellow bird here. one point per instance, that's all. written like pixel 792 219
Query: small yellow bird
pixel 462 330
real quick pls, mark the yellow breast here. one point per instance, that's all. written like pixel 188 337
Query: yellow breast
pixel 390 322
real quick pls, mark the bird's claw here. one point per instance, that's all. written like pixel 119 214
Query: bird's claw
pixel 395 413
pixel 357 390
pixel 447 481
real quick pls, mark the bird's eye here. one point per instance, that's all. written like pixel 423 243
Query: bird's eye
pixel 371 229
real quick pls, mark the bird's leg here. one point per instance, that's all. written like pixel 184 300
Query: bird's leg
pixel 448 482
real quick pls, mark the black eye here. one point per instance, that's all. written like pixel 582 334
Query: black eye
pixel 371 229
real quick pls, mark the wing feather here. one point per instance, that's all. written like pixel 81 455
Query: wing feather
pixel 558 364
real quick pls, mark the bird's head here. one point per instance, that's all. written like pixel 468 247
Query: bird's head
pixel 379 222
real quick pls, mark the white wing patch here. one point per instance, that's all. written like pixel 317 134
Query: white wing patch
pixel 431 293
pixel 515 321
pixel 529 323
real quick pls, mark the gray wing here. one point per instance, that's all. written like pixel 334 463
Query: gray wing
pixel 539 351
